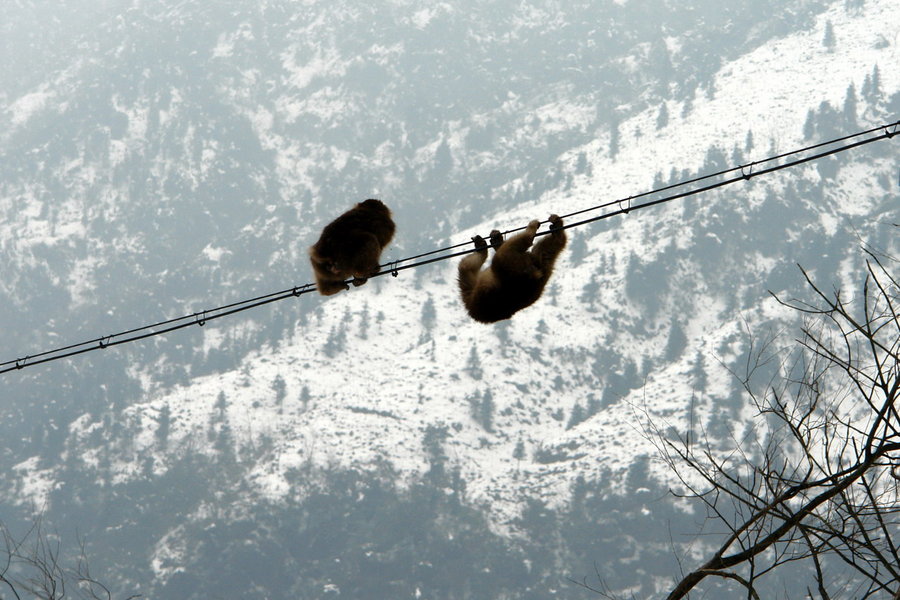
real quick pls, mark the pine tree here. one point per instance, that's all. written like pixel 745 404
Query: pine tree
pixel 662 119
pixel 589 292
pixel 473 364
pixel 698 373
pixel 581 165
pixel 871 90
pixel 577 416
pixel 677 342
pixel 614 137
pixel 829 41
pixel 487 411
pixel 304 398
pixel 364 322
pixel 850 107
pixel 578 248
pixel 280 389
pixel 519 450
pixel 163 426
pixel 429 314
pixel 336 341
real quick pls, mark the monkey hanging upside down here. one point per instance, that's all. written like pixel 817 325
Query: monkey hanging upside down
pixel 516 277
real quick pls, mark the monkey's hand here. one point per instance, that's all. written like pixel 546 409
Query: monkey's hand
pixel 480 244
pixel 496 239
pixel 357 281
pixel 555 222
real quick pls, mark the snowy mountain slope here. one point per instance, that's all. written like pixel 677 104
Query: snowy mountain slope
pixel 375 394
pixel 175 156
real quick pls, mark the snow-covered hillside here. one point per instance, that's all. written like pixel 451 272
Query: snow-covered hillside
pixel 377 375
pixel 162 157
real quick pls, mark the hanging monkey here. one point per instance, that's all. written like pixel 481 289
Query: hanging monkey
pixel 516 277
pixel 350 246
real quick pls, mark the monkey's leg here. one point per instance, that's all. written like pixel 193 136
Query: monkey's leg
pixel 366 258
pixel 470 266
pixel 548 248
pixel 521 241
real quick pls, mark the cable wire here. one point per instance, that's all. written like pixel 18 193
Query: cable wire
pixel 621 206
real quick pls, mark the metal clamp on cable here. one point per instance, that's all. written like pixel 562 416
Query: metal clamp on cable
pixel 748 174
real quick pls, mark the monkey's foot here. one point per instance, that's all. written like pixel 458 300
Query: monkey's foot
pixel 480 244
pixel 358 281
pixel 555 222
pixel 496 239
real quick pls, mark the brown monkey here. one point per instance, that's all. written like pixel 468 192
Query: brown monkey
pixel 350 246
pixel 516 277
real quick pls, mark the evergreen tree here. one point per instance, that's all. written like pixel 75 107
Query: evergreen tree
pixel 429 314
pixel 698 373
pixel 280 389
pixel 581 165
pixel 614 137
pixel 364 322
pixel 519 450
pixel 578 248
pixel 589 292
pixel 578 415
pixel 660 63
pixel 662 119
pixel 487 411
pixel 304 398
pixel 677 342
pixel 829 40
pixel 871 89
pixel 541 331
pixel 336 341
pixel 224 444
pixel 163 426
pixel 473 364
pixel 850 107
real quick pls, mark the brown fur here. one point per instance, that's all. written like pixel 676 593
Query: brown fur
pixel 516 277
pixel 350 246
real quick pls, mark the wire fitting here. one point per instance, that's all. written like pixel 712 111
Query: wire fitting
pixel 200 318
pixel 749 173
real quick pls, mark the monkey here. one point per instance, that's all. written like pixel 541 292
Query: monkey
pixel 516 277
pixel 350 246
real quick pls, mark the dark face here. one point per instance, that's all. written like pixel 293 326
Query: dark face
pixel 328 266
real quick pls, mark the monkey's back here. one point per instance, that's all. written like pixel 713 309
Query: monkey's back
pixel 349 231
pixel 492 303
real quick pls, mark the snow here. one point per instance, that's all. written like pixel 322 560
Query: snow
pixel 361 417
pixel 35 483
pixel 29 104
pixel 751 93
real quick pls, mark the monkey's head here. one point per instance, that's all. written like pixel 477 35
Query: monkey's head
pixel 374 205
pixel 324 264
